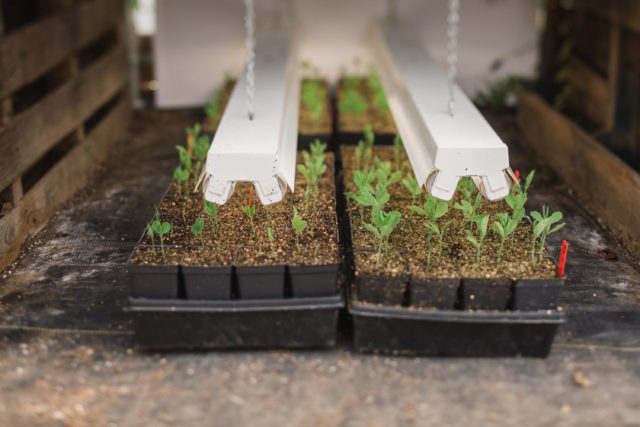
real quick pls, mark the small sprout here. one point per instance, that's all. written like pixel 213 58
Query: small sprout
pixel 466 186
pixel 266 213
pixel 542 228
pixel 197 228
pixel 313 94
pixel 161 229
pixel 482 222
pixel 438 231
pixel 250 210
pixel 211 209
pixel 378 93
pixel 182 176
pixel 150 235
pixel 312 169
pixel 299 225
pixel 468 209
pixel 358 153
pixel 432 208
pixel 213 107
pixel 270 237
pixel 383 224
pixel 414 188
pixel 397 147
pixel 185 157
pixel 505 226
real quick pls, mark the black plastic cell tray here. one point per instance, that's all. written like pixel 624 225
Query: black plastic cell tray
pixel 236 324
pixel 401 330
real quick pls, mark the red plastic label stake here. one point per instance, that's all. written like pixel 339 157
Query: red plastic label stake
pixel 563 258
pixel 517 183
pixel 250 194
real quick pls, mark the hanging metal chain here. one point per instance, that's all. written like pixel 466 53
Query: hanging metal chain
pixel 452 49
pixel 250 27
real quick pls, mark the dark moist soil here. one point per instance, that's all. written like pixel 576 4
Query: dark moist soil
pixel 458 257
pixel 307 123
pixel 380 120
pixel 233 239
pixel 210 124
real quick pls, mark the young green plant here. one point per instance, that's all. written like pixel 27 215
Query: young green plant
pixel 299 225
pixel 250 210
pixel 414 188
pixel 542 227
pixel 397 149
pixel 468 209
pixel 197 229
pixel 160 229
pixel 211 209
pixel 504 227
pixel 482 223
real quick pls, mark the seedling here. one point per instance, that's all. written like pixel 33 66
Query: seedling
pixel 182 176
pixel 312 170
pixel 365 147
pixel 161 229
pixel 313 94
pixel 185 156
pixel 466 186
pixel 363 182
pixel 383 224
pixel 358 153
pixel 482 222
pixel 378 93
pixel 150 235
pixel 542 227
pixel 468 209
pixel 299 225
pixel 266 213
pixel 197 228
pixel 213 107
pixel 352 101
pixel 438 231
pixel 250 210
pixel 505 226
pixel 270 238
pixel 211 209
pixel 432 208
pixel 384 177
pixel 397 147
pixel 414 188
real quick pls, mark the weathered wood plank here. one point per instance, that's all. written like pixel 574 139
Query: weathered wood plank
pixel 590 93
pixel 591 38
pixel 64 179
pixel 30 52
pixel 602 181
pixel 624 12
pixel 33 132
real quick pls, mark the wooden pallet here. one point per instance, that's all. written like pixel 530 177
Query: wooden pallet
pixel 63 92
pixel 602 181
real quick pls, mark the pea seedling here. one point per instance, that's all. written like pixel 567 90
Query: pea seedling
pixel 352 102
pixel 181 175
pixel 211 209
pixel 482 222
pixel 397 146
pixel 197 228
pixel 270 238
pixel 161 229
pixel 468 209
pixel 504 226
pixel 414 188
pixel 378 93
pixel 299 225
pixel 383 224
pixel 542 228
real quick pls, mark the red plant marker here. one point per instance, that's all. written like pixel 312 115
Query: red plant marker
pixel 250 193
pixel 563 258
pixel 517 174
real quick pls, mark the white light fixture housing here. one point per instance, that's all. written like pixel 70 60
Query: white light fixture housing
pixel 441 148
pixel 261 150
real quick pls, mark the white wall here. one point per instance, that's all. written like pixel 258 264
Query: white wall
pixel 198 41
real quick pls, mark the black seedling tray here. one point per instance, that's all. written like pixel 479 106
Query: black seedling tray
pixel 236 324
pixel 409 331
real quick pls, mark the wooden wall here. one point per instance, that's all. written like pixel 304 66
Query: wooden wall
pixel 64 99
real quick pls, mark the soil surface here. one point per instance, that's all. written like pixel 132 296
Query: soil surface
pixel 68 353
pixel 247 238
pixel 380 119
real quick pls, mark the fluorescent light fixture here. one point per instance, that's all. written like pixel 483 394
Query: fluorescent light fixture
pixel 262 150
pixel 441 148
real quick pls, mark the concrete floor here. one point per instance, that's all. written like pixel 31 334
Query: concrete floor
pixel 68 352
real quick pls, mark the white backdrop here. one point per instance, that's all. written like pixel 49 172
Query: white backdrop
pixel 198 41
